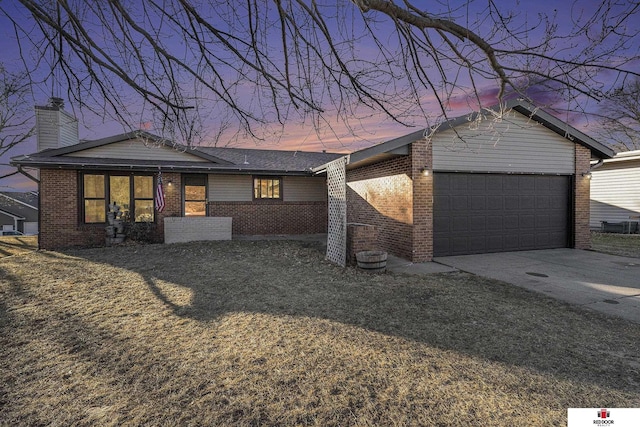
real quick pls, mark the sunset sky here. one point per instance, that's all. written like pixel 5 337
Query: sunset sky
pixel 371 129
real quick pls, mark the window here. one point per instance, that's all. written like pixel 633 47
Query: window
pixel 133 193
pixel 143 198
pixel 94 201
pixel 267 188
pixel 195 195
pixel 120 194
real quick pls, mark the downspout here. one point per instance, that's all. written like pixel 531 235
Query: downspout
pixel 596 165
pixel 23 172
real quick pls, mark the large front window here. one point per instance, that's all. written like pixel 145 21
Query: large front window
pixel 133 193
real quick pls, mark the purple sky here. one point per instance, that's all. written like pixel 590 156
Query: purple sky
pixel 373 129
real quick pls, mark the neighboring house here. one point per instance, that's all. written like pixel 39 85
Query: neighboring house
pixel 263 191
pixel 518 182
pixel 19 212
pixel 615 190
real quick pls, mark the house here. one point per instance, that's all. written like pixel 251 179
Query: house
pixel 513 181
pixel 19 212
pixel 262 191
pixel 484 182
pixel 615 191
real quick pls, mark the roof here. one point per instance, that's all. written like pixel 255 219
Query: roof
pixel 20 205
pixel 625 156
pixel 153 139
pixel 29 198
pixel 273 160
pixel 399 146
pixel 216 159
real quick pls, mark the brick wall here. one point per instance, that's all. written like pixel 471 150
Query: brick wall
pixel 581 191
pixel 273 217
pixel 381 194
pixel 60 223
pixel 360 237
pixel 396 197
pixel 59 213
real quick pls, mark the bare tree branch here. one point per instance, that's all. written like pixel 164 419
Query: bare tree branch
pixel 263 64
pixel 620 117
pixel 15 113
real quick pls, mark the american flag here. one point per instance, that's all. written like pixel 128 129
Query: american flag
pixel 159 194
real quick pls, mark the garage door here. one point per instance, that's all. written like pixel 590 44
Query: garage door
pixel 480 213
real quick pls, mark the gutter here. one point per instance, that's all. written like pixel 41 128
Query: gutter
pixel 229 170
pixel 23 172
pixel 596 165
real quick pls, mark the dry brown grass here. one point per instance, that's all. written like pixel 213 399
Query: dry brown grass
pixel 267 333
pixel 616 244
pixel 17 245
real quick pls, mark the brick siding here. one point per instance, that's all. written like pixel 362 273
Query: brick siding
pixel 59 213
pixel 360 237
pixel 269 218
pixel 61 226
pixel 397 198
pixel 581 191
pixel 60 222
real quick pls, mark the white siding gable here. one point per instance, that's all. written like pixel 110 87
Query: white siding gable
pixel 136 149
pixel 512 144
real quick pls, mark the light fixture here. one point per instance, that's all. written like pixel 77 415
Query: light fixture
pixel 170 183
pixel 587 175
pixel 425 171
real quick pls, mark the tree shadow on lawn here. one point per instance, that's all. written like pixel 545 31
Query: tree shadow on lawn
pixel 66 370
pixel 10 245
pixel 458 312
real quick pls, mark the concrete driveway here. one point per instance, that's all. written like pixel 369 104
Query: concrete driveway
pixel 606 283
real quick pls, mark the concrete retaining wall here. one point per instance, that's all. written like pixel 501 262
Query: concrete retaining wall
pixel 190 229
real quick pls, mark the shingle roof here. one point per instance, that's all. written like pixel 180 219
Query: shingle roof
pixel 218 159
pixel 275 160
pixel 23 205
pixel 29 197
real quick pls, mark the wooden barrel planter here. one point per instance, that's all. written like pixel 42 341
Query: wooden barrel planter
pixel 372 261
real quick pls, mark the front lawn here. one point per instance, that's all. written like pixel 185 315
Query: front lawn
pixel 616 244
pixel 16 245
pixel 267 333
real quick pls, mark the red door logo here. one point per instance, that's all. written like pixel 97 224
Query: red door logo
pixel 603 413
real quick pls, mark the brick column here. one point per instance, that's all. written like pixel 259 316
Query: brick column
pixel 172 199
pixel 581 194
pixel 360 237
pixel 422 234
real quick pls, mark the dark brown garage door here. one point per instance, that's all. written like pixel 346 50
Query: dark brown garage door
pixel 480 213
